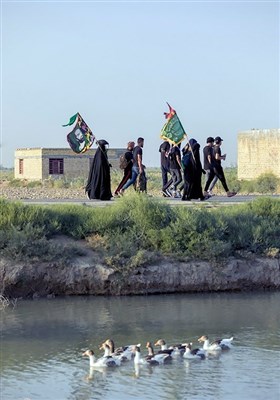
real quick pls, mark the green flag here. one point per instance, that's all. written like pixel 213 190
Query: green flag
pixel 81 137
pixel 172 130
pixel 72 120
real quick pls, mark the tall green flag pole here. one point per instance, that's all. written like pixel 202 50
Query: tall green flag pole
pixel 173 130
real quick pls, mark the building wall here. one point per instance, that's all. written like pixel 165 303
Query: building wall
pixel 32 164
pixel 75 165
pixel 36 162
pixel 258 153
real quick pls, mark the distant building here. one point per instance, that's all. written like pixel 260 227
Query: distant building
pixel 258 153
pixel 42 163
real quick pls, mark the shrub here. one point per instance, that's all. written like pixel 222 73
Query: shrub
pixel 78 183
pixel 6 174
pixel 137 229
pixel 60 183
pixel 34 184
pixel 16 183
pixel 267 183
pixel 248 187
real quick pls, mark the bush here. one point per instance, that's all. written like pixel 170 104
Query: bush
pixel 30 243
pixel 267 183
pixel 60 183
pixel 16 183
pixel 6 174
pixel 248 187
pixel 34 184
pixel 139 229
pixel 78 183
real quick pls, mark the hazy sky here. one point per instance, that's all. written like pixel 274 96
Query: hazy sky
pixel 118 62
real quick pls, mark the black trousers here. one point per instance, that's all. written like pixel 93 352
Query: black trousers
pixel 219 172
pixel 164 174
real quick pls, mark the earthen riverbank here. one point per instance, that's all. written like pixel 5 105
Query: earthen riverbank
pixel 89 274
pixel 86 275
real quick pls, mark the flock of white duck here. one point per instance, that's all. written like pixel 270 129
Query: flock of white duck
pixel 115 357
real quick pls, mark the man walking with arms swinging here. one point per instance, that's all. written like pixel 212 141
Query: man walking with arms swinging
pixel 137 167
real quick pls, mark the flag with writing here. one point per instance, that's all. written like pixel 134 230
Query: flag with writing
pixel 172 130
pixel 81 137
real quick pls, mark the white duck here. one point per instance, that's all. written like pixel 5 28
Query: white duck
pixel 177 349
pixel 217 345
pixel 193 354
pixel 106 348
pixel 226 344
pixel 160 358
pixel 137 356
pixel 101 362
pixel 124 353
pixel 163 347
pixel 150 359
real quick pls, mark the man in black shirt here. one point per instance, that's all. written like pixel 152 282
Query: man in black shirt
pixel 137 167
pixel 217 167
pixel 208 162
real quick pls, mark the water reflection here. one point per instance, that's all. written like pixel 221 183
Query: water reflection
pixel 42 343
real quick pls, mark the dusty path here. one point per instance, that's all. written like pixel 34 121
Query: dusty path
pixel 44 195
pixel 212 202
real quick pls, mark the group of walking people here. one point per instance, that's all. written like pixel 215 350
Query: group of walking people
pixel 181 170
pixel 99 179
pixel 186 170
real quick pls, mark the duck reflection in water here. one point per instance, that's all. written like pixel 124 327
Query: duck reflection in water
pixel 137 368
pixel 95 373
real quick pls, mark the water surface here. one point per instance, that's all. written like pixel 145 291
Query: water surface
pixel 42 343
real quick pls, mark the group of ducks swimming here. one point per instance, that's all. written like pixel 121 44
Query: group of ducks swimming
pixel 115 357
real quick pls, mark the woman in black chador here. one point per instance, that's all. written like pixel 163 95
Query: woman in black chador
pixel 196 188
pixel 193 173
pixel 99 178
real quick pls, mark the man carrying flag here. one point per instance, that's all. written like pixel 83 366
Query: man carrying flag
pixel 173 132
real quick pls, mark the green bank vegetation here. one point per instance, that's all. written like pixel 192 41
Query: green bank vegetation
pixel 267 183
pixel 138 230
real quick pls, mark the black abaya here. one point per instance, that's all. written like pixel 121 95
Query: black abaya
pixel 192 174
pixel 196 188
pixel 99 178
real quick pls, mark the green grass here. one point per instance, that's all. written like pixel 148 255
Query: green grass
pixel 139 230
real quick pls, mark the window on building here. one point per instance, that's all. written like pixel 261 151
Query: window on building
pixel 56 166
pixel 20 166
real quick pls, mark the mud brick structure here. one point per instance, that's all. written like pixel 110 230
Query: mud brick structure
pixel 44 163
pixel 258 153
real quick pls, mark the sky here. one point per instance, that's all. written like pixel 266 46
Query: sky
pixel 117 63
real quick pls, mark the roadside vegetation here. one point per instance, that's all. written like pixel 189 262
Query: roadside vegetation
pixel 138 230
pixel 267 183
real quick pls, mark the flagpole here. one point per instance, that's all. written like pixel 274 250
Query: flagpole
pixel 190 147
pixel 184 133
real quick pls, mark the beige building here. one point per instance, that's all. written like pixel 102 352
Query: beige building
pixel 42 163
pixel 258 153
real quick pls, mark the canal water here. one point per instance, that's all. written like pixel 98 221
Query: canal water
pixel 42 342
